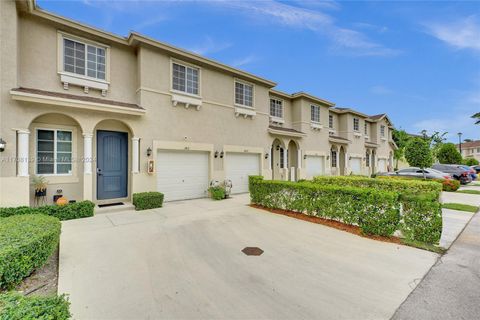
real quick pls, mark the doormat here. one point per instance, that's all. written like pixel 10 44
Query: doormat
pixel 110 204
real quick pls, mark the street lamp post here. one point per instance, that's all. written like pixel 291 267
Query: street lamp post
pixel 460 142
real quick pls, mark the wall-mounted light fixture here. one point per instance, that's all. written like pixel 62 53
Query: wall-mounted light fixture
pixel 305 157
pixel 266 155
pixel 215 154
pixel 149 152
pixel 277 148
pixel 221 154
pixel 328 157
pixel 349 158
pixel 3 144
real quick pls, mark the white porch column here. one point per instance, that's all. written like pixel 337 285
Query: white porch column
pixel 22 161
pixel 87 166
pixel 270 155
pixel 87 153
pixel 135 154
pixel 285 158
pixel 299 158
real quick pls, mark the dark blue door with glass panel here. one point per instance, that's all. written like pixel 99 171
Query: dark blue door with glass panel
pixel 112 164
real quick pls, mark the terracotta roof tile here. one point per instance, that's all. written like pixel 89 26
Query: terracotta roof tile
pixel 472 144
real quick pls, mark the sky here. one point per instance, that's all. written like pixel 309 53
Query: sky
pixel 417 61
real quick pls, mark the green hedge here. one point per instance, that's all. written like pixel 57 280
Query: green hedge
pixel 375 212
pixel 69 211
pixel 147 200
pixel 14 306
pixel 396 185
pixel 360 201
pixel 447 185
pixel 26 243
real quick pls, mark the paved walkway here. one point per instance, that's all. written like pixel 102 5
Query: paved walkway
pixel 185 261
pixel 451 290
pixel 454 222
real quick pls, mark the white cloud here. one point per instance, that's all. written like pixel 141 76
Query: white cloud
pixel 457 122
pixel 461 34
pixel 209 45
pixel 149 23
pixel 380 90
pixel 345 41
pixel 244 61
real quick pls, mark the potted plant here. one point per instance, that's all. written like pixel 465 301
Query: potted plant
pixel 40 186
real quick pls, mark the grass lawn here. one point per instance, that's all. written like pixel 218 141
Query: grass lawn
pixel 469 191
pixel 460 206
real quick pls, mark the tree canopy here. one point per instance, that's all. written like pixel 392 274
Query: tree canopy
pixel 448 154
pixel 418 153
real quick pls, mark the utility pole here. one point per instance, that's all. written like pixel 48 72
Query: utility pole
pixel 460 142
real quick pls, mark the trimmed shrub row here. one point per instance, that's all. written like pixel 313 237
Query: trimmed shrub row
pixel 447 185
pixel 14 306
pixel 397 185
pixel 375 212
pixel 67 212
pixel 147 200
pixel 26 243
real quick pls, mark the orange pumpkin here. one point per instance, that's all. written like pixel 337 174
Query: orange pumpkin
pixel 62 201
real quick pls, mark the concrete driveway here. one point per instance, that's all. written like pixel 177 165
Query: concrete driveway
pixel 184 261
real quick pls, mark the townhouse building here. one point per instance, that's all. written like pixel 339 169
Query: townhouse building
pixel 470 149
pixel 102 116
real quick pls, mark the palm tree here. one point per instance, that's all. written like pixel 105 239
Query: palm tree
pixel 476 116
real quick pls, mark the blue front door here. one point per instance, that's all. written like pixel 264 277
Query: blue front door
pixel 112 164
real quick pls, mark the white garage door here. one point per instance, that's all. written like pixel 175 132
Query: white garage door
pixel 182 174
pixel 356 165
pixel 382 165
pixel 315 166
pixel 238 166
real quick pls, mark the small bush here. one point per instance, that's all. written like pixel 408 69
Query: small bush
pixel 470 162
pixel 422 219
pixel 14 306
pixel 217 193
pixel 147 200
pixel 69 211
pixel 26 243
pixel 375 212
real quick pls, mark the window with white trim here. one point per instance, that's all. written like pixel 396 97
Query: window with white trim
pixel 367 159
pixel 244 94
pixel 382 131
pixel 276 108
pixel 54 151
pixel 356 124
pixel 84 59
pixel 315 113
pixel 330 121
pixel 185 78
pixel 366 128
pixel 333 158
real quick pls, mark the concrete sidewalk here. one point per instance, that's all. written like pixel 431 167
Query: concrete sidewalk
pixel 184 261
pixel 451 290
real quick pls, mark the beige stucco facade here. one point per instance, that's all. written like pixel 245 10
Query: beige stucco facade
pixel 137 97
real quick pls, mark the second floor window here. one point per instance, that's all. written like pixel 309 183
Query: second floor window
pixel 366 129
pixel 185 79
pixel 276 108
pixel 83 59
pixel 243 94
pixel 315 113
pixel 356 124
pixel 330 121
pixel 382 131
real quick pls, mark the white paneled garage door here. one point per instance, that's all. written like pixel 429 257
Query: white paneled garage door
pixel 238 166
pixel 182 174
pixel 315 166
pixel 382 165
pixel 356 165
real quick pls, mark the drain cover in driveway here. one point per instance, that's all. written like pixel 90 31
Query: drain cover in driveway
pixel 252 251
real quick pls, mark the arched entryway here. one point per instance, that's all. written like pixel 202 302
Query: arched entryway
pixel 292 162
pixel 112 148
pixel 277 159
pixel 56 146
pixel 341 162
